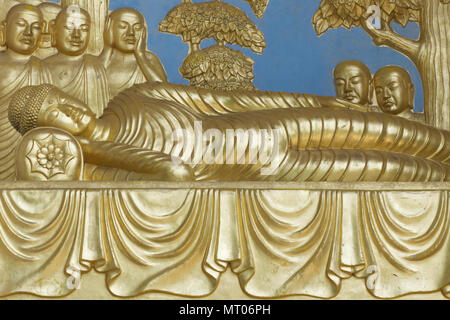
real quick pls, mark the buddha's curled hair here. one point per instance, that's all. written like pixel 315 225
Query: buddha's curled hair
pixel 25 105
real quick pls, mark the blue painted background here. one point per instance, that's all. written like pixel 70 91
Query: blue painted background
pixel 295 59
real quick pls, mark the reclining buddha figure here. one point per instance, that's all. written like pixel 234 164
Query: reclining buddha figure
pixel 20 32
pixel 137 133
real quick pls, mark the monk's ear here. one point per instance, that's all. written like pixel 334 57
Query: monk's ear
pixel 108 36
pixel 371 91
pixel 52 31
pixel 3 33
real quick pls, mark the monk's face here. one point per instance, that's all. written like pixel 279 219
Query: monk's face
pixel 393 92
pixel 49 11
pixel 72 32
pixel 62 111
pixel 352 84
pixel 23 31
pixel 127 27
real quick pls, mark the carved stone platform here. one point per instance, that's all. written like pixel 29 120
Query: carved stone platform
pixel 224 240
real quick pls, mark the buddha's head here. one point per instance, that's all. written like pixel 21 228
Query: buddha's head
pixel 50 11
pixel 394 90
pixel 126 26
pixel 352 80
pixel 47 106
pixel 21 31
pixel 71 31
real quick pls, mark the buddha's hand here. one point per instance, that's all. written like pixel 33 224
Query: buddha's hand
pixel 141 45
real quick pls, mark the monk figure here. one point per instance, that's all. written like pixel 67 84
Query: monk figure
pixel 352 81
pixel 395 92
pixel 136 133
pixel 20 33
pixel 50 11
pixel 125 53
pixel 79 74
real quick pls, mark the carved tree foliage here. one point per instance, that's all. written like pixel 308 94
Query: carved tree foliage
pixel 348 13
pixel 258 7
pixel 222 22
pixel 217 67
pixel 220 68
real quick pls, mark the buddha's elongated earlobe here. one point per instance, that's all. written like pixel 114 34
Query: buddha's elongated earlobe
pixel 3 33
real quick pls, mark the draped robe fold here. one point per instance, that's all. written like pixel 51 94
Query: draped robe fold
pixel 90 85
pixel 313 144
pixel 136 77
pixel 34 73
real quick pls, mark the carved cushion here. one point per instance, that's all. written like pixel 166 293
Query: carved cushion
pixel 49 154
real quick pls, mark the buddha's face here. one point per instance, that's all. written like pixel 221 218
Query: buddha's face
pixel 62 111
pixel 23 31
pixel 127 27
pixel 72 32
pixel 352 84
pixel 394 92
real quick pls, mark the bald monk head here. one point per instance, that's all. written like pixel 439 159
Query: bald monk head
pixel 50 11
pixel 21 31
pixel 126 29
pixel 394 90
pixel 72 30
pixel 352 81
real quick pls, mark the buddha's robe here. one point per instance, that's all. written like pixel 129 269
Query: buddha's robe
pixel 33 73
pixel 312 144
pixel 211 102
pixel 89 84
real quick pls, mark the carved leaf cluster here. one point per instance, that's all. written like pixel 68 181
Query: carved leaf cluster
pixel 195 22
pixel 348 13
pixel 218 67
pixel 258 7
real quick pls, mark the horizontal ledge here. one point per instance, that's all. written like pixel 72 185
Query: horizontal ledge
pixel 158 185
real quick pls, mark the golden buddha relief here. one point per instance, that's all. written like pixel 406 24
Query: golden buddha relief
pixel 152 130
pixel 137 121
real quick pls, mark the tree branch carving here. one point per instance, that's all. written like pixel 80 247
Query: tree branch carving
pixel 388 37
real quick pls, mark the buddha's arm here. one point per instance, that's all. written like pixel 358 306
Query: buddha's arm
pixel 155 165
pixel 213 102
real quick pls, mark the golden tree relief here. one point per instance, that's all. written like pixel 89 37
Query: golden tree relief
pixel 216 67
